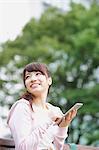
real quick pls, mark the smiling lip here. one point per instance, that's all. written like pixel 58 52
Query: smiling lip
pixel 34 84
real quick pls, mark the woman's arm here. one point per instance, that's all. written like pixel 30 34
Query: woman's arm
pixel 26 136
pixel 63 124
pixel 21 127
pixel 61 134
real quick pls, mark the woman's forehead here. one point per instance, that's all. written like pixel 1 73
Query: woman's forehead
pixel 28 72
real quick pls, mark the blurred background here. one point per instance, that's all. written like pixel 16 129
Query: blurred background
pixel 64 34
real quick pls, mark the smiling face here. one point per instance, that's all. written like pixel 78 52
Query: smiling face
pixel 36 78
pixel 36 82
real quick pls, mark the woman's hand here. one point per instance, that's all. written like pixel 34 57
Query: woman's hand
pixel 66 120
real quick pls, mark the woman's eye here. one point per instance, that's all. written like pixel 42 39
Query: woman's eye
pixel 38 73
pixel 27 77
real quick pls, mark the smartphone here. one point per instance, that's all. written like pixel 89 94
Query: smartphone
pixel 76 106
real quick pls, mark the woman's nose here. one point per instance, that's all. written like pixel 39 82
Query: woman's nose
pixel 33 77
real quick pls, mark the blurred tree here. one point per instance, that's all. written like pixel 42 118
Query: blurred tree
pixel 69 43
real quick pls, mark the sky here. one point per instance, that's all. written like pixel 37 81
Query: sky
pixel 14 14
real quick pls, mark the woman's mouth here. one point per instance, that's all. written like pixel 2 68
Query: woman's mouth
pixel 34 85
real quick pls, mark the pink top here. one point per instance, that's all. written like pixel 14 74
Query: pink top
pixel 34 129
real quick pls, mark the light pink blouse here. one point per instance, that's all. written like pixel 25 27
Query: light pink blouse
pixel 34 129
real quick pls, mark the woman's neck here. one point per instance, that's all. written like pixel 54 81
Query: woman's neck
pixel 39 101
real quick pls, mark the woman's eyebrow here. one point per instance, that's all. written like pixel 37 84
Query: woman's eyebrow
pixel 28 73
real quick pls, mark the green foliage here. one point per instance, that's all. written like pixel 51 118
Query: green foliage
pixel 69 43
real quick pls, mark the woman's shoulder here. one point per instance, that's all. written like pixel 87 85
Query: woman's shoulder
pixel 54 108
pixel 19 105
pixel 49 105
pixel 22 102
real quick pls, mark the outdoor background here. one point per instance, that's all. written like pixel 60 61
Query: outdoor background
pixel 65 36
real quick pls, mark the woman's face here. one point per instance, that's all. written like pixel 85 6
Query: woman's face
pixel 36 82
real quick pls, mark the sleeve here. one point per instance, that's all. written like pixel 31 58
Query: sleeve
pixel 56 135
pixel 26 136
pixel 61 134
pixel 60 137
pixel 21 126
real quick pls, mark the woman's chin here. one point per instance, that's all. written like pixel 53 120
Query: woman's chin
pixel 36 91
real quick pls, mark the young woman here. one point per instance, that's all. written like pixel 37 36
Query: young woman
pixel 36 124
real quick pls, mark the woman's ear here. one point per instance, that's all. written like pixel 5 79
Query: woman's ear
pixel 49 81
